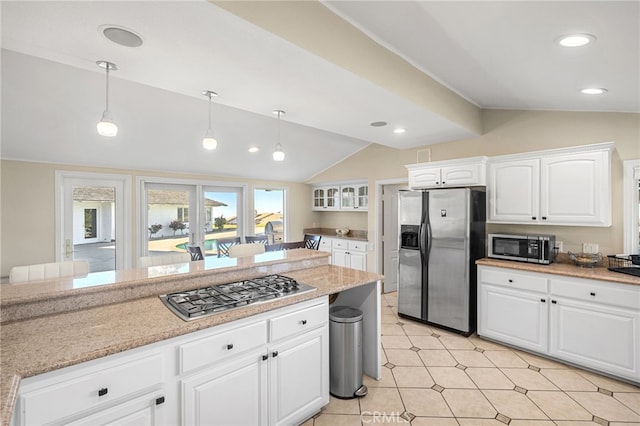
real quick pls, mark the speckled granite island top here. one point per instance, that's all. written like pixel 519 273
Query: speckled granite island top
pixel 566 269
pixel 59 340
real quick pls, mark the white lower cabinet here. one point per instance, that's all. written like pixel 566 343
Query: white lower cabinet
pixel 591 323
pixel 268 369
pixel 283 381
pixel 514 316
pixel 349 254
pixel 123 389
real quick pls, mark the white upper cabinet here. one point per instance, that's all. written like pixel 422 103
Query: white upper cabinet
pixel 569 187
pixel 345 197
pixel 326 197
pixel 450 173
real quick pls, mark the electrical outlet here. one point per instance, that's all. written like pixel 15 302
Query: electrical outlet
pixel 590 248
pixel 559 246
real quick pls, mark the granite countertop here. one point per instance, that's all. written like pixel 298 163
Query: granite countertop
pixel 567 269
pixel 62 339
pixel 331 233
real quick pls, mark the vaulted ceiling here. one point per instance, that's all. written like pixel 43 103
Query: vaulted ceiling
pixel 334 67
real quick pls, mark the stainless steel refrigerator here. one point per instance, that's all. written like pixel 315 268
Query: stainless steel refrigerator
pixel 442 234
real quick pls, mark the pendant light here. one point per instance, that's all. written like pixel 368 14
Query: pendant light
pixel 209 142
pixel 278 154
pixel 106 126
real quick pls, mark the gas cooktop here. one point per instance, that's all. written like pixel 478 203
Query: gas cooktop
pixel 198 303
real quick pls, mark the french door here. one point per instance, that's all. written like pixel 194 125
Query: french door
pixel 93 214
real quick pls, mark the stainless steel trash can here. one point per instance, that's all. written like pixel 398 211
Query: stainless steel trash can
pixel 345 352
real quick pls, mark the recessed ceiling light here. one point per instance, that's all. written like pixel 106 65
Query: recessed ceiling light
pixel 575 40
pixel 254 149
pixel 594 91
pixel 120 35
pixel 378 124
pixel 400 130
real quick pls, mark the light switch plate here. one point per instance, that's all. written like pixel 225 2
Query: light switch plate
pixel 590 248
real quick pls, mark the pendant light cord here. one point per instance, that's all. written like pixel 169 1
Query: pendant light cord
pixel 209 110
pixel 108 66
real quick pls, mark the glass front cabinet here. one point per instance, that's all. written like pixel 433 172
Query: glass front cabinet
pixel 345 197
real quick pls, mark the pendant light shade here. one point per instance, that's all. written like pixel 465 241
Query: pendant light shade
pixel 209 142
pixel 106 126
pixel 278 154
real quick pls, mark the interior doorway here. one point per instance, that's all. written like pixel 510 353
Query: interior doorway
pixel 388 232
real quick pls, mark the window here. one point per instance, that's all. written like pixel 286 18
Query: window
pixel 269 206
pixel 183 214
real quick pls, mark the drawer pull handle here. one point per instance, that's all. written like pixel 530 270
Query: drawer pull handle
pixel 303 322
pixel 274 354
pixel 160 400
pixel 230 346
pixel 533 218
pixel 103 391
pixel 265 357
pixel 510 280
pixel 554 302
pixel 543 300
pixel 592 293
pixel 544 218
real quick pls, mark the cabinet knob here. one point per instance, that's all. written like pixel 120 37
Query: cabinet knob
pixel 160 400
pixel 510 280
pixel 592 294
pixel 544 218
pixel 437 183
pixel 443 182
pixel 543 300
pixel 554 302
pixel 103 391
pixel 265 357
pixel 533 218
pixel 303 322
pixel 230 346
pixel 274 354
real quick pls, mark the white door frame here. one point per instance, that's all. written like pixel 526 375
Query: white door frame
pixel 64 179
pixel 378 215
pixel 630 204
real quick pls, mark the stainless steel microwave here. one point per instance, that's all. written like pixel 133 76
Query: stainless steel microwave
pixel 532 248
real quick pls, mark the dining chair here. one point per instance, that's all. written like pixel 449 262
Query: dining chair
pixel 256 239
pixel 293 245
pixel 249 249
pixel 48 271
pixel 273 247
pixel 195 252
pixel 224 244
pixel 312 242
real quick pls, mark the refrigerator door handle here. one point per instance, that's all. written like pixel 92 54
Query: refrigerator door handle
pixel 428 227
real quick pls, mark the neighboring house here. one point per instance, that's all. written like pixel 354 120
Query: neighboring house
pixel 93 214
pixel 167 206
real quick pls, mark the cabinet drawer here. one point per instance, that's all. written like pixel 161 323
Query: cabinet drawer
pixel 622 295
pixel 90 389
pixel 357 246
pixel 211 349
pixel 340 244
pixel 299 321
pixel 514 280
pixel 325 244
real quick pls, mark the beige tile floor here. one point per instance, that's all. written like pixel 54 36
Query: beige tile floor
pixel 433 377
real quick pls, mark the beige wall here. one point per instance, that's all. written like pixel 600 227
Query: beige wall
pixel 507 132
pixel 27 233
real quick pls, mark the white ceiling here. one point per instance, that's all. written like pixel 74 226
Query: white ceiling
pixel 495 54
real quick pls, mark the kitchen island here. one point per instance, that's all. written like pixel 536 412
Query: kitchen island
pixel 36 343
